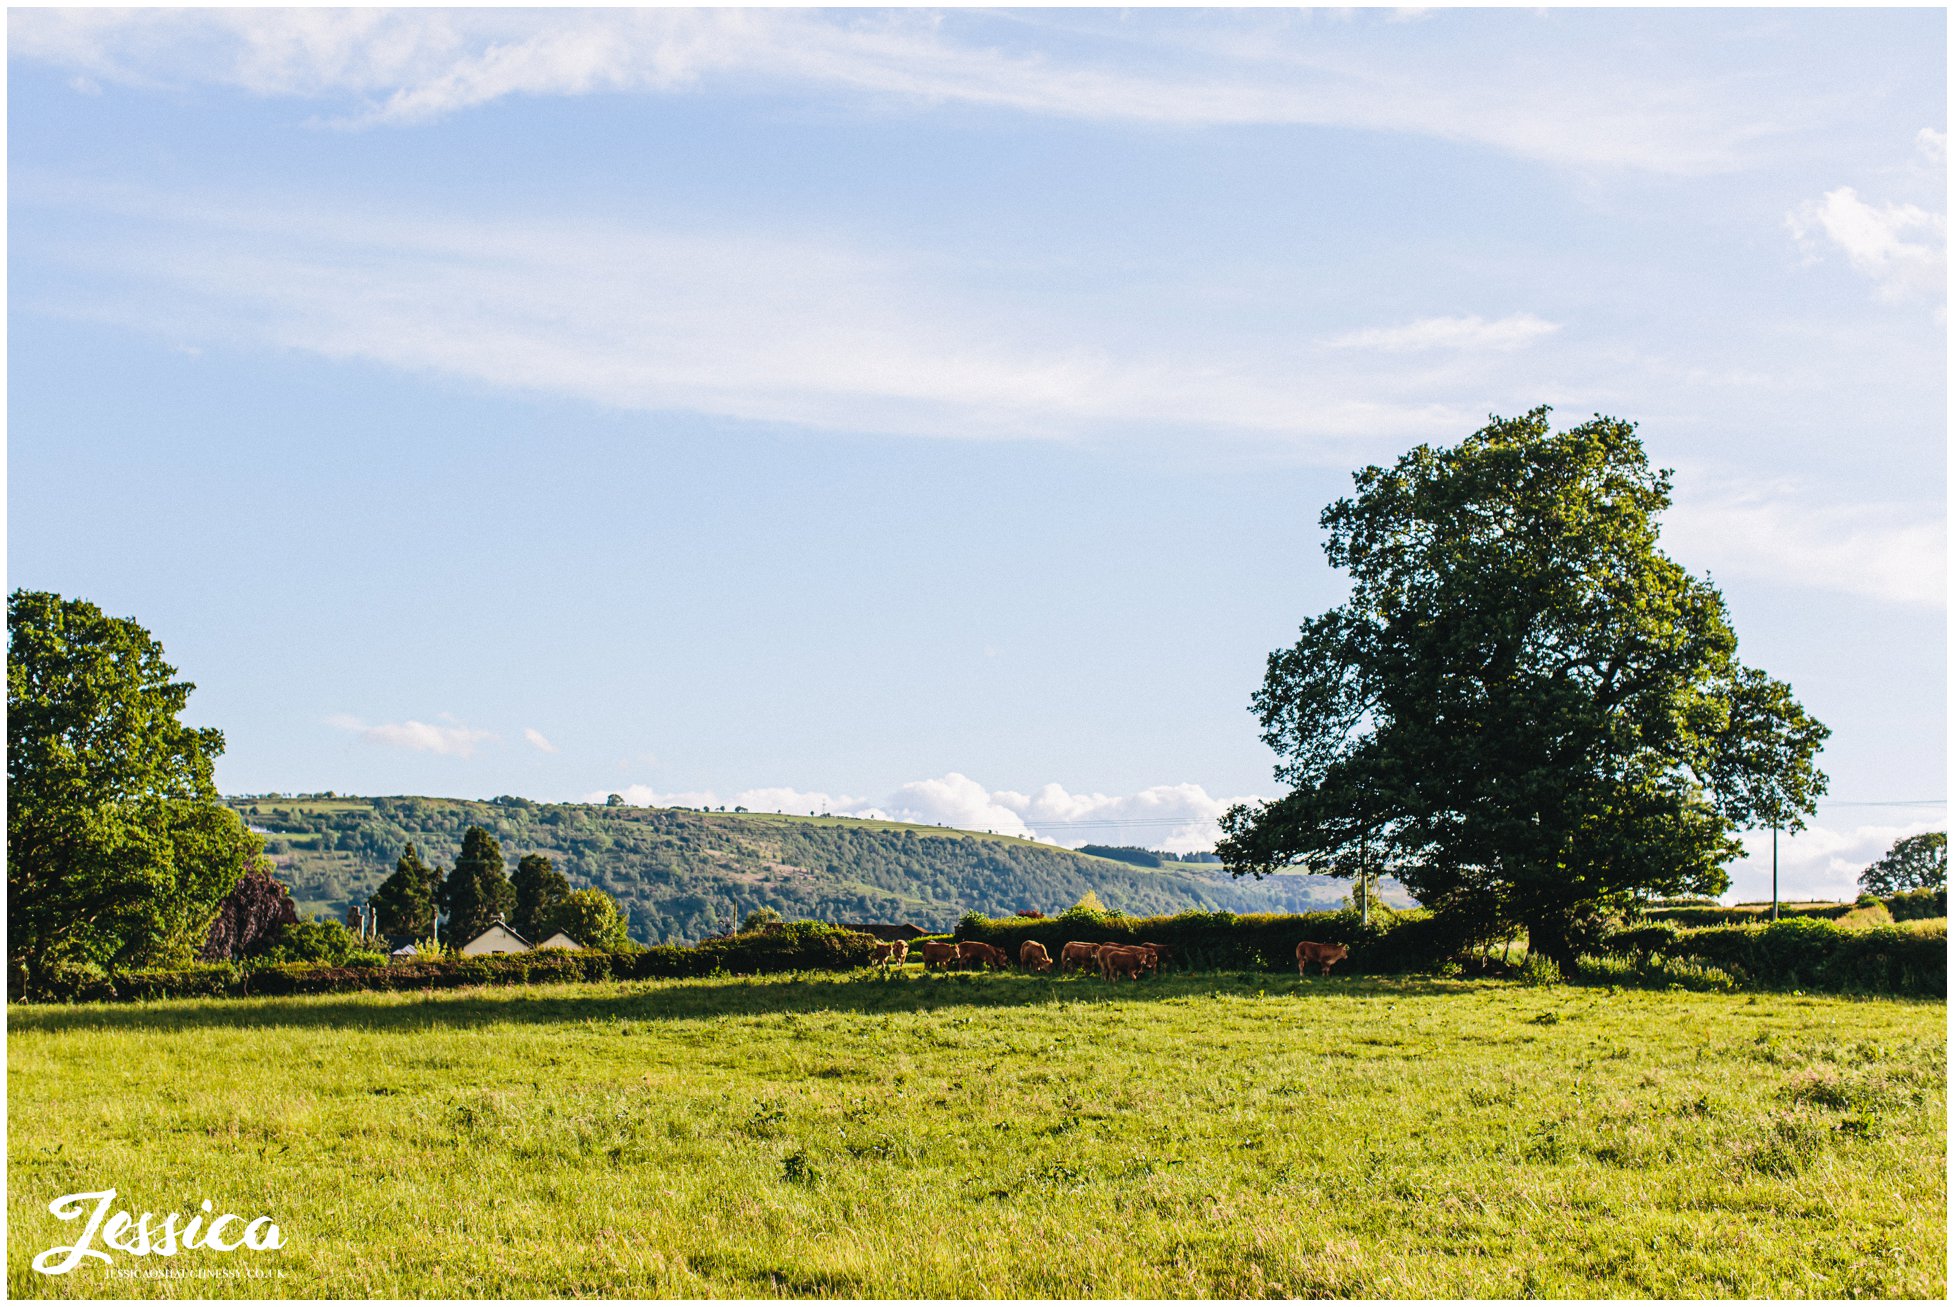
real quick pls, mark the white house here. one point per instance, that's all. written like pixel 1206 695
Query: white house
pixel 498 938
pixel 559 940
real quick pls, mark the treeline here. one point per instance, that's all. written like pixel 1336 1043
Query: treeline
pixel 1140 857
pixel 684 875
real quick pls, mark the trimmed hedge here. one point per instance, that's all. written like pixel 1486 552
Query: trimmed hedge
pixel 1805 953
pixel 801 946
pixel 1715 914
pixel 1263 941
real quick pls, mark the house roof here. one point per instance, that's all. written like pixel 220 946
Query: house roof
pixel 503 926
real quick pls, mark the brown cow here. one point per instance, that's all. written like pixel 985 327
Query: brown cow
pixel 882 954
pixel 1077 956
pixel 1161 953
pixel 899 951
pixel 938 953
pixel 1116 960
pixel 975 952
pixel 1033 957
pixel 1308 952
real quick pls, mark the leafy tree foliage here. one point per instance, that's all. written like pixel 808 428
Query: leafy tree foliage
pixel 477 893
pixel 589 916
pixel 249 919
pixel 118 849
pixel 758 918
pixel 406 902
pixel 1914 863
pixel 318 941
pixel 1524 711
pixel 539 887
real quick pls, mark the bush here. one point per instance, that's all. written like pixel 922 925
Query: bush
pixel 317 941
pixel 1916 904
pixel 1656 971
pixel 1539 969
pixel 1807 953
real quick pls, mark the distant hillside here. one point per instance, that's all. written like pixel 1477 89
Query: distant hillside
pixel 686 874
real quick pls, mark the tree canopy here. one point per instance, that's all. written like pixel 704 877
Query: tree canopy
pixel 1915 862
pixel 1524 711
pixel 118 850
pixel 406 901
pixel 476 893
pixel 589 916
pixel 539 887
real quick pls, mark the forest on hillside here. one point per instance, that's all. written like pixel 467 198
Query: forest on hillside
pixel 685 874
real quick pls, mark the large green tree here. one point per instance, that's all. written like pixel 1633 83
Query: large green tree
pixel 539 888
pixel 1914 862
pixel 118 850
pixel 476 894
pixel 408 899
pixel 1524 710
pixel 589 916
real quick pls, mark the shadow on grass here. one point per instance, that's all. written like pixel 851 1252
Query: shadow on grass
pixel 686 1000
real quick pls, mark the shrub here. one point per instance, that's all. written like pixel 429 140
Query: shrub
pixel 1806 953
pixel 1916 904
pixel 316 940
pixel 1539 969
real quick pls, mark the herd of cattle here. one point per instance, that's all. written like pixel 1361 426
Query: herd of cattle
pixel 1113 960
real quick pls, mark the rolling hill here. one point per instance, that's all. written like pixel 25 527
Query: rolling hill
pixel 685 874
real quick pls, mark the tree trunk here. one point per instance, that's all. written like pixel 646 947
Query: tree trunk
pixel 1549 937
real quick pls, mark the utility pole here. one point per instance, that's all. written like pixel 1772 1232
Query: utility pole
pixel 1774 871
pixel 1364 877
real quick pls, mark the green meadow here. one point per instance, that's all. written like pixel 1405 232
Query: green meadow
pixel 1001 1136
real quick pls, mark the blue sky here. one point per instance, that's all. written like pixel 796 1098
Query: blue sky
pixel 929 413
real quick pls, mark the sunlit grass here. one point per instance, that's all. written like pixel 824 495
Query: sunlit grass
pixel 1005 1136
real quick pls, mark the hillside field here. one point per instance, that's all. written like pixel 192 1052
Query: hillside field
pixel 1003 1135
pixel 684 874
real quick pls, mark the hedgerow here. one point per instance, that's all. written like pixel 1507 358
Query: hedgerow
pixel 801 946
pixel 1392 941
pixel 1806 953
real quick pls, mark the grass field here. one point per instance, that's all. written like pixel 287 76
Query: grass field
pixel 952 1136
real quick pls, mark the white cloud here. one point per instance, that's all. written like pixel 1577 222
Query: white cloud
pixel 1773 534
pixel 742 325
pixel 1173 818
pixel 1932 144
pixel 538 739
pixel 1819 862
pixel 407 66
pixel 1467 332
pixel 455 741
pixel 1901 247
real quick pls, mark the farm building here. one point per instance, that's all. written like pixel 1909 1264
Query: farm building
pixel 559 940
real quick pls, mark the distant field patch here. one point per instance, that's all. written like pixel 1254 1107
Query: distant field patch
pixel 1005 1136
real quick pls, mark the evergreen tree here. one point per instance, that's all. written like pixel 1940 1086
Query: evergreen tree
pixel 477 892
pixel 539 887
pixel 406 901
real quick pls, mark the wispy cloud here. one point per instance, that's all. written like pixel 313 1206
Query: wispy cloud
pixel 1181 818
pixel 1781 535
pixel 538 739
pixel 746 325
pixel 1465 332
pixel 454 741
pixel 1223 69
